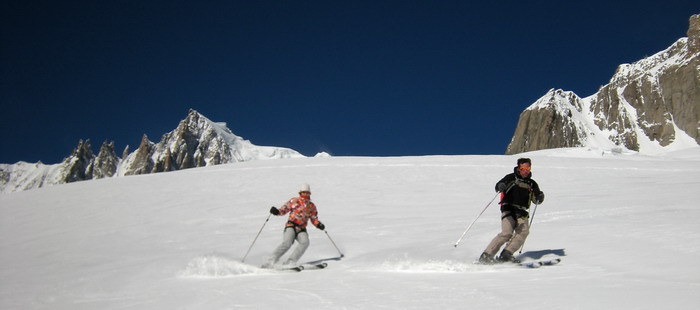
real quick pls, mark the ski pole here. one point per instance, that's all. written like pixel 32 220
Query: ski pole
pixel 256 238
pixel 533 215
pixel 532 219
pixel 472 224
pixel 336 247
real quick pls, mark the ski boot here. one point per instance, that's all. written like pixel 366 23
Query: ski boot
pixel 507 257
pixel 486 259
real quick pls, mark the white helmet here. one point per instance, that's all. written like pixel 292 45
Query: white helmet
pixel 305 188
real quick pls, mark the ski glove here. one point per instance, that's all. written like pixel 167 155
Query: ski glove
pixel 539 198
pixel 501 187
pixel 274 211
pixel 321 226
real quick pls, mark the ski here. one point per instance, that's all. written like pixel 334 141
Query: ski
pixel 284 268
pixel 315 266
pixel 530 264
pixel 289 269
pixel 551 262
pixel 538 264
pixel 299 268
pixel 305 267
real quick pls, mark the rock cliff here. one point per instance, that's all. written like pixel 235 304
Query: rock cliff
pixel 647 106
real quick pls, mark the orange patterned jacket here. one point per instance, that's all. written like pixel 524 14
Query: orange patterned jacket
pixel 300 212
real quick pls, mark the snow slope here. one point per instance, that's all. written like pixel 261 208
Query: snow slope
pixel 624 224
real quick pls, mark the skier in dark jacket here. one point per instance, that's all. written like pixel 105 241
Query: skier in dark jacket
pixel 518 190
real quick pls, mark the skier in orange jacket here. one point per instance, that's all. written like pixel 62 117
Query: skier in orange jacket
pixel 300 210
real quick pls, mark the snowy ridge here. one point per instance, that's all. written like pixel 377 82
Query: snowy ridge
pixel 196 142
pixel 650 67
pixel 212 143
pixel 23 176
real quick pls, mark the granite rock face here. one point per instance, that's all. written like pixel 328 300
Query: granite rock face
pixel 106 162
pixel 655 101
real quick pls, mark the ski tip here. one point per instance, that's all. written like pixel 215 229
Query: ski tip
pixel 541 263
pixel 293 269
pixel 553 262
pixel 282 269
pixel 531 264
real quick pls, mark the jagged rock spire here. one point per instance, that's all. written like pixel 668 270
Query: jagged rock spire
pixel 140 161
pixel 106 162
pixel 196 142
pixel 79 165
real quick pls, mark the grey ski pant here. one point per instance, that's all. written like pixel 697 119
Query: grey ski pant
pixel 287 240
pixel 514 232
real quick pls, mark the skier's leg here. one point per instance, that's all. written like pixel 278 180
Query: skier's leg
pixel 287 241
pixel 522 229
pixel 302 245
pixel 507 226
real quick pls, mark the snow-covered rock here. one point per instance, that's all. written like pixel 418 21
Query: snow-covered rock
pixel 196 142
pixel 650 106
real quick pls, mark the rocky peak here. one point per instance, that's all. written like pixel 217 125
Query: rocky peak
pixel 140 162
pixel 196 142
pixel 79 165
pixel 648 105
pixel 106 162
pixel 547 122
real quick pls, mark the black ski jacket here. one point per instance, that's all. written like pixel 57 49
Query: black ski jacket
pixel 519 193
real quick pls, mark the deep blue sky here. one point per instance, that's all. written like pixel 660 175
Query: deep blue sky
pixel 360 78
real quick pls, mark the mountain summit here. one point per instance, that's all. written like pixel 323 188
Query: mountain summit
pixel 650 106
pixel 196 142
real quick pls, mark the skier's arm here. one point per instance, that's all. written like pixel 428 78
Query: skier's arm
pixel 503 184
pixel 284 209
pixel 314 218
pixel 538 194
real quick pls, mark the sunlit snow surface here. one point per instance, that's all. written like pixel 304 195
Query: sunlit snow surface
pixel 625 226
